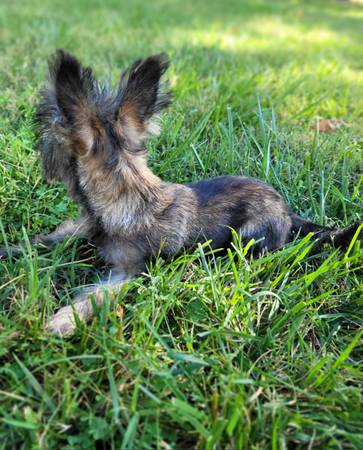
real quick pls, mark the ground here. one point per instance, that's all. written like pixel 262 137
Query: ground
pixel 215 353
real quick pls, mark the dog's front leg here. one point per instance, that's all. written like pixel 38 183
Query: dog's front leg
pixel 76 228
pixel 63 322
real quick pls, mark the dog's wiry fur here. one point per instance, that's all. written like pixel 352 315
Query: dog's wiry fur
pixel 93 140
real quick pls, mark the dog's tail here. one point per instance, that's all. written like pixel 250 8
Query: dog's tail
pixel 326 235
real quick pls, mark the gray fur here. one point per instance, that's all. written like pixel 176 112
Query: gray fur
pixel 95 143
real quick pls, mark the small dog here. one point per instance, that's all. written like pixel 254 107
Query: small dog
pixel 93 140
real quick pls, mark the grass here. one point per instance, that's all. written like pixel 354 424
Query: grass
pixel 208 352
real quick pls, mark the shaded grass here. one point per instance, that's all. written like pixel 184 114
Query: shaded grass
pixel 208 351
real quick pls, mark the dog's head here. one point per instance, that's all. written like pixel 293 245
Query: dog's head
pixel 78 118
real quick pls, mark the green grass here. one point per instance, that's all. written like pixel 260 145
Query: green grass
pixel 215 353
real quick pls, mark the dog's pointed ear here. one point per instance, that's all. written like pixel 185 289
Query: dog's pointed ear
pixel 74 91
pixel 141 97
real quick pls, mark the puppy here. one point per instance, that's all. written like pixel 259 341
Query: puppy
pixel 93 140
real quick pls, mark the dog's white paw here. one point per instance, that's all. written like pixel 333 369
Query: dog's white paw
pixel 62 323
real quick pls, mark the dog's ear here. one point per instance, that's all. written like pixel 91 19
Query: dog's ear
pixel 74 92
pixel 141 97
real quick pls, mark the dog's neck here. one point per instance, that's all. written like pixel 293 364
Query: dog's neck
pixel 138 179
pixel 124 198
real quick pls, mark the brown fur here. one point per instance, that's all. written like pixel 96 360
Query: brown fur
pixel 94 141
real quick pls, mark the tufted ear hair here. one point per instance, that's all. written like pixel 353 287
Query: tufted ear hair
pixel 141 98
pixel 74 90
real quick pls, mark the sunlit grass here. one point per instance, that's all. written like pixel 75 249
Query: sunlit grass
pixel 208 352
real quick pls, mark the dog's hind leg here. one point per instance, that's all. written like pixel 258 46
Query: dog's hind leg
pixel 63 322
pixel 270 234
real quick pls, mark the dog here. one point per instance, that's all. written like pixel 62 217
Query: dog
pixel 92 139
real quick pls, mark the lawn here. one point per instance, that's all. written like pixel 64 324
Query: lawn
pixel 200 352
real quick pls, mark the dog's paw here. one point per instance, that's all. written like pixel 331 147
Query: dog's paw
pixel 43 239
pixel 62 323
pixel 3 253
pixel 10 251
